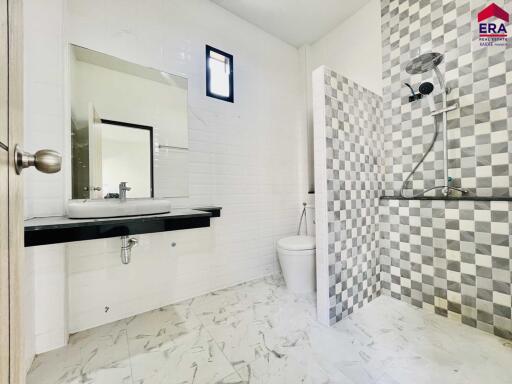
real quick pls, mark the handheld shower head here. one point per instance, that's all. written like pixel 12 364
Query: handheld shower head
pixel 427 89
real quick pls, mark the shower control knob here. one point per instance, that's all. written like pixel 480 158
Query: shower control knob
pixel 45 160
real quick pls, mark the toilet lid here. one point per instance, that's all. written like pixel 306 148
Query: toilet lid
pixel 297 243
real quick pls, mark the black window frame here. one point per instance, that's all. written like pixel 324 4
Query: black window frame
pixel 209 93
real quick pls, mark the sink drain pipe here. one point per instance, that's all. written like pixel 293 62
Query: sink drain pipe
pixel 127 243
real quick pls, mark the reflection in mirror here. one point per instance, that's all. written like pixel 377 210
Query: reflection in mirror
pixel 128 124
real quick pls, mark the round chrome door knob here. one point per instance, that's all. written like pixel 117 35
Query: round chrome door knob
pixel 45 160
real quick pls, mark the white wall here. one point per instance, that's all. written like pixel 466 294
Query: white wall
pixel 159 274
pixel 50 296
pixel 44 102
pixel 29 311
pixel 44 194
pixel 354 48
pixel 243 156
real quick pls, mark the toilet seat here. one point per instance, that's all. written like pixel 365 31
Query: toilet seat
pixel 297 243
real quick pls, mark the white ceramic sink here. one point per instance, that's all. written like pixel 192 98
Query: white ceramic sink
pixel 97 209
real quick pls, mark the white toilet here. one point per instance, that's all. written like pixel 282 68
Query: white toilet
pixel 297 258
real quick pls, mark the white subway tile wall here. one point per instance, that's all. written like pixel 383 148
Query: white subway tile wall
pixel 244 156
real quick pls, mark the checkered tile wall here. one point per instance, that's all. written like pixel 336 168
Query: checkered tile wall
pixel 354 162
pixel 480 137
pixel 450 257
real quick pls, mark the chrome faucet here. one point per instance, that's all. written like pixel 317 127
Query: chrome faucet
pixel 122 190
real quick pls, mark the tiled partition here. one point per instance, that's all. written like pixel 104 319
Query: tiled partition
pixel 450 257
pixel 348 180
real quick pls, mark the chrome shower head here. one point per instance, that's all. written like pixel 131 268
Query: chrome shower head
pixel 427 62
pixel 424 63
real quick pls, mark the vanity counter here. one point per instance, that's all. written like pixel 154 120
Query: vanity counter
pixel 54 230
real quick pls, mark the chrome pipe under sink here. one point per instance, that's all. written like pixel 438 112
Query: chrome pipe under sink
pixel 127 243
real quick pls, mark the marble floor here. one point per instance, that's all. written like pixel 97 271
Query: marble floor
pixel 259 333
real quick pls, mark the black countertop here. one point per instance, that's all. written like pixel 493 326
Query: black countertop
pixel 451 198
pixel 55 230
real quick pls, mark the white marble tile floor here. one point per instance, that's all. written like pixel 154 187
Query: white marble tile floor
pixel 261 334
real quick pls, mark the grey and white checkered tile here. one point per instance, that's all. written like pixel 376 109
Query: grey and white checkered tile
pixel 479 139
pixel 450 257
pixel 354 184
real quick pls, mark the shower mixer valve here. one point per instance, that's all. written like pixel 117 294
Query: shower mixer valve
pixel 414 96
pixel 425 90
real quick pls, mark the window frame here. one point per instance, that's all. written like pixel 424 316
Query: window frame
pixel 209 93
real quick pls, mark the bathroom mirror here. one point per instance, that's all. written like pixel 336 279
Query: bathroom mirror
pixel 128 124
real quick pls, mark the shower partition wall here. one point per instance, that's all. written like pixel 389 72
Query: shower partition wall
pixel 348 180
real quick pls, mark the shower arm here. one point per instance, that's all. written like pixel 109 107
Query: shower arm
pixel 441 80
pixel 446 91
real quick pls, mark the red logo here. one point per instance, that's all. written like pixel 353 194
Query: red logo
pixel 493 11
pixel 493 32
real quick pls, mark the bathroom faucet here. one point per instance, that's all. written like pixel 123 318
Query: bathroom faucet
pixel 122 190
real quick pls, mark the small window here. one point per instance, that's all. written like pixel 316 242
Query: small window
pixel 219 74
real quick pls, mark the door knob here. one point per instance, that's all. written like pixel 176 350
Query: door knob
pixel 45 160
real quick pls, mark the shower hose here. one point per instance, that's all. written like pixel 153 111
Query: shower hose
pixel 430 147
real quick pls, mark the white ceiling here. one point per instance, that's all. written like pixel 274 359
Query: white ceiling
pixel 297 22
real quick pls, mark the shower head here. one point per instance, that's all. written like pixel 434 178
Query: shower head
pixel 424 63
pixel 426 90
pixel 427 62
